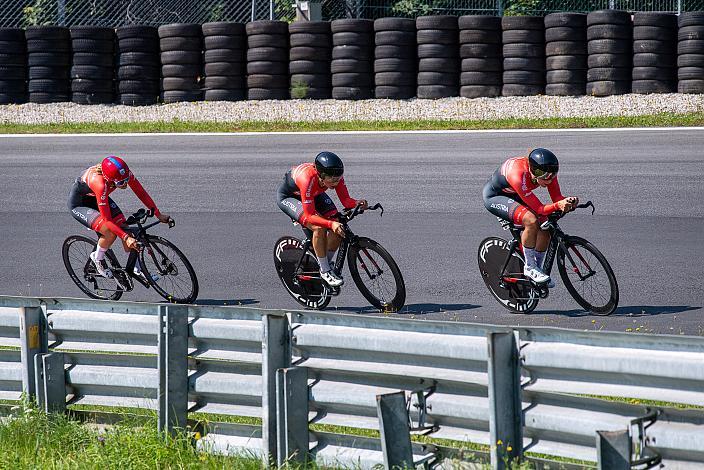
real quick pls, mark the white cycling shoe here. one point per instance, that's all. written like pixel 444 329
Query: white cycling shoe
pixel 101 266
pixel 535 275
pixel 332 278
pixel 140 274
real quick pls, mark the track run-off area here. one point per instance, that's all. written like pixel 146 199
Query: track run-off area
pixel 647 186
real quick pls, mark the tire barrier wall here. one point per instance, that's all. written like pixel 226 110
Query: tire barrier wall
pixel 352 65
pixel 225 61
pixel 566 54
pixel 690 53
pixel 396 58
pixel 481 64
pixel 602 53
pixel 309 60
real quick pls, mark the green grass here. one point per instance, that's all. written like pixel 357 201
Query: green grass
pixel 659 120
pixel 35 440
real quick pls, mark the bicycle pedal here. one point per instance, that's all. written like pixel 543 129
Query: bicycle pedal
pixel 334 290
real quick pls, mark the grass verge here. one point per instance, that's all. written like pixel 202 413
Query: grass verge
pixel 33 439
pixel 657 120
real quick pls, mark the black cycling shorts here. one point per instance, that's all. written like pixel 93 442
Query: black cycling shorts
pixel 85 208
pixel 292 206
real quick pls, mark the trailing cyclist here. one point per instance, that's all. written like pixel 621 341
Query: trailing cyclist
pixel 302 197
pixel 90 204
pixel 509 196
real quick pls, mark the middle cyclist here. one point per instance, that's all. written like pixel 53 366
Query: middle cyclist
pixel 302 197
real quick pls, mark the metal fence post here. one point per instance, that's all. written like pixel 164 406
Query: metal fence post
pixel 34 340
pixel 292 415
pixel 505 423
pixel 54 382
pixel 395 430
pixel 276 354
pixel 173 367
pixel 613 449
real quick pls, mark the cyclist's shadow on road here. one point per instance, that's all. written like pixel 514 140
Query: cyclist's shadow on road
pixel 631 311
pixel 227 302
pixel 412 309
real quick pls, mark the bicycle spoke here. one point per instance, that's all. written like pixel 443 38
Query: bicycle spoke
pixel 382 288
pixel 595 288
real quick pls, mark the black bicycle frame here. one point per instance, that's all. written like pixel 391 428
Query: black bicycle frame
pixel 141 235
pixel 557 237
pixel 349 239
pixel 556 241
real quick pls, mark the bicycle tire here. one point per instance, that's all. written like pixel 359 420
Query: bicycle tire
pixel 491 257
pixel 155 268
pixel 287 252
pixel 87 265
pixel 612 302
pixel 366 245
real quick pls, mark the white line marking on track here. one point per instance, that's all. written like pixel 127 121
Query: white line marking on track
pixel 449 131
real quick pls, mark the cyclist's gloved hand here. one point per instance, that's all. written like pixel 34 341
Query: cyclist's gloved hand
pixel 564 205
pixel 337 228
pixel 131 243
pixel 363 204
pixel 163 218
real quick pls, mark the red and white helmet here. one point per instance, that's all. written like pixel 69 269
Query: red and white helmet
pixel 115 170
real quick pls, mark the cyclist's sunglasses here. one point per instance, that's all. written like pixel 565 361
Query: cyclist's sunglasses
pixel 542 174
pixel 332 173
pixel 123 182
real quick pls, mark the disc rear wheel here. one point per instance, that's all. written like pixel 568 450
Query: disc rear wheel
pixel 515 296
pixel 303 284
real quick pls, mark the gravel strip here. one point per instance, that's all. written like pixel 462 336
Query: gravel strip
pixel 369 110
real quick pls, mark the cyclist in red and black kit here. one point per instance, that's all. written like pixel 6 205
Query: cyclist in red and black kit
pixel 302 197
pixel 509 196
pixel 90 204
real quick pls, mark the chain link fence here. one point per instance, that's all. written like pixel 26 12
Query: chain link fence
pixel 23 13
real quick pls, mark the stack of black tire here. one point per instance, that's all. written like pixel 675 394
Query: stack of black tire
pixel 438 38
pixel 480 52
pixel 395 63
pixel 92 65
pixel 225 60
pixel 566 54
pixel 610 48
pixel 690 52
pixel 181 48
pixel 309 59
pixel 654 53
pixel 138 65
pixel 13 66
pixel 267 60
pixel 524 55
pixel 352 59
pixel 49 60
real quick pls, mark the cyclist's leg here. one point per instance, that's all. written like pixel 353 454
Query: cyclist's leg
pixel 515 211
pixel 326 208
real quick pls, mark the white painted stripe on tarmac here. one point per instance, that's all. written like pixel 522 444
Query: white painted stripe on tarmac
pixel 449 131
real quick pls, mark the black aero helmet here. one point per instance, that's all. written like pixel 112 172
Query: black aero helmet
pixel 542 161
pixel 328 163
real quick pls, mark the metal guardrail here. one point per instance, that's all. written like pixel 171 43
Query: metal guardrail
pixel 464 382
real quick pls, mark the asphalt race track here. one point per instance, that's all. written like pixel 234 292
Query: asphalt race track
pixel 647 185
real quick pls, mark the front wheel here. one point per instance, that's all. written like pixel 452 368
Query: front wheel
pixel 377 275
pixel 177 281
pixel 588 276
